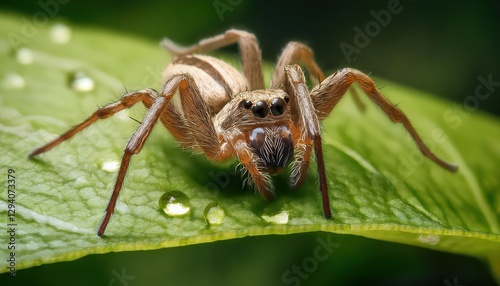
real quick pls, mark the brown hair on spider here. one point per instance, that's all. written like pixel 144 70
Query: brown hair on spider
pixel 225 113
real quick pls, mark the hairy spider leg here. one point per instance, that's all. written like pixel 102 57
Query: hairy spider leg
pixel 249 50
pixel 326 96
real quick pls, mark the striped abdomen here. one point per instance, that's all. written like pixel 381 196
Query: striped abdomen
pixel 217 81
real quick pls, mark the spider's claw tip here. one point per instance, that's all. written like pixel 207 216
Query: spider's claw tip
pixel 33 154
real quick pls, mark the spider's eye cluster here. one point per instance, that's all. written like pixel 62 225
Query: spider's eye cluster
pixel 261 109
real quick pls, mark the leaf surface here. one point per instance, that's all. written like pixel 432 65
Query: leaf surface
pixel 380 185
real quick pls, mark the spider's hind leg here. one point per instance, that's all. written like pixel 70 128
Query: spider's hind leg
pixel 296 53
pixel 249 49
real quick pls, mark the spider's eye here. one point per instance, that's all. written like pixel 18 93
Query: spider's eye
pixel 278 106
pixel 246 104
pixel 260 109
pixel 287 99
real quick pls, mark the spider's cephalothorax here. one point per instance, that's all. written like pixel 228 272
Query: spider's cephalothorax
pixel 225 113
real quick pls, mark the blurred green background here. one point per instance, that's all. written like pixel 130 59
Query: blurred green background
pixel 436 46
pixel 440 47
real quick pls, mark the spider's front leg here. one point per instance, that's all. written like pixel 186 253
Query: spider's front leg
pixel 310 134
pixel 197 131
pixel 326 95
pixel 300 54
pixel 151 99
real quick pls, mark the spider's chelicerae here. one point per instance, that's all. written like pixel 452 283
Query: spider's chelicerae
pixel 224 113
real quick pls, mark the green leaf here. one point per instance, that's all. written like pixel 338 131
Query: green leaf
pixel 380 185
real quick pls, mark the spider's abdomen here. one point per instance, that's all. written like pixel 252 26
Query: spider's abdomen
pixel 217 81
pixel 273 146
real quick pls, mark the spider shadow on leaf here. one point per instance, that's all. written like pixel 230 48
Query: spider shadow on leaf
pixel 227 178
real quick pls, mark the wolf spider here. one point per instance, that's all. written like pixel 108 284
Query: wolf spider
pixel 224 113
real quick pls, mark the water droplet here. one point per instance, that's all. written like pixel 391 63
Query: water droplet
pixel 275 217
pixel 214 214
pixel 60 34
pixel 24 56
pixel 175 203
pixel 110 166
pixel 79 81
pixel 431 239
pixel 14 81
